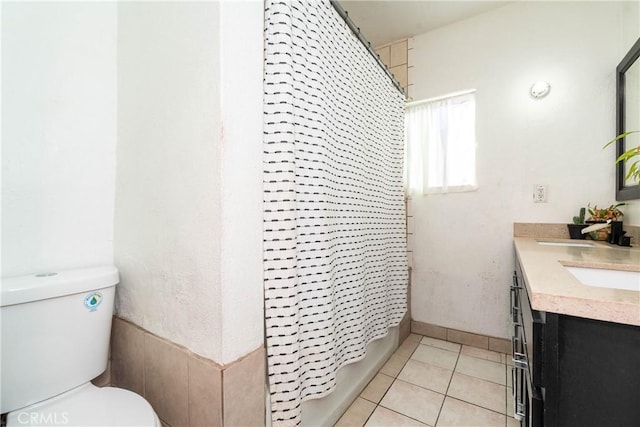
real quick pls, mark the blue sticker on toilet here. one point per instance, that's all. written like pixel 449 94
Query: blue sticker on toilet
pixel 93 301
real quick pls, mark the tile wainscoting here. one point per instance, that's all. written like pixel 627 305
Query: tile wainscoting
pixel 186 389
pixel 499 345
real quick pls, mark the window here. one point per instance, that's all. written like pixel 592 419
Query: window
pixel 440 145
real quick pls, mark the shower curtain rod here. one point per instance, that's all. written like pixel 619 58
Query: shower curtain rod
pixel 356 30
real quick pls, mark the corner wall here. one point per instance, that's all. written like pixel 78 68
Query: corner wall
pixel 463 254
pixel 188 221
pixel 188 334
pixel 167 209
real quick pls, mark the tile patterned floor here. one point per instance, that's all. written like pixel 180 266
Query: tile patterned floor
pixel 430 382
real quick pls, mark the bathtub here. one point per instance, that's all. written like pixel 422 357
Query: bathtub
pixel 351 380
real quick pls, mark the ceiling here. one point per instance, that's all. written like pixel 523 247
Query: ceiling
pixel 382 22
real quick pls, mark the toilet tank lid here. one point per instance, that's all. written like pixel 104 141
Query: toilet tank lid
pixel 35 287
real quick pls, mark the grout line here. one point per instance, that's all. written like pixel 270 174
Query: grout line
pixel 446 393
pixel 404 415
pixel 506 405
pixel 506 392
pixel 395 378
pixel 374 410
pixel 477 406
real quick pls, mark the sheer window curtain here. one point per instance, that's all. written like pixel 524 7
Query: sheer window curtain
pixel 440 145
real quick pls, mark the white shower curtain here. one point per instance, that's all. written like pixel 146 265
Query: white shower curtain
pixel 334 217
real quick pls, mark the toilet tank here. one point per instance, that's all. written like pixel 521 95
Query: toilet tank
pixel 55 330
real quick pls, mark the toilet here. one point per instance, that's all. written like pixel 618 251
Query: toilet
pixel 55 339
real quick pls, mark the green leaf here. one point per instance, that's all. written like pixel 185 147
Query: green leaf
pixel 622 135
pixel 633 171
pixel 629 154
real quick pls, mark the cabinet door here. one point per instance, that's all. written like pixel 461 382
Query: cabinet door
pixel 598 369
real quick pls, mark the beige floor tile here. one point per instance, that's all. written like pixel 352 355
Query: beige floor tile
pixel 510 402
pixel 478 392
pixel 357 414
pixel 481 353
pixel 512 422
pixel 425 375
pixel 383 417
pixel 407 348
pixel 456 413
pixel 445 345
pixel 377 388
pixel 435 356
pixel 483 369
pixel 413 338
pixel 394 365
pixel 413 401
pixel 509 376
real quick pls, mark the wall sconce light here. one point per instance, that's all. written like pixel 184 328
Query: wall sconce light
pixel 539 90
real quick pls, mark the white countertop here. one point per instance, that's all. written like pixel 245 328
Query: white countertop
pixel 554 289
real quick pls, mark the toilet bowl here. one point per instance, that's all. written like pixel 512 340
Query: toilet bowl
pixel 88 406
pixel 55 333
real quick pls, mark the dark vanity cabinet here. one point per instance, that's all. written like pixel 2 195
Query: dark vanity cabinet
pixel 570 371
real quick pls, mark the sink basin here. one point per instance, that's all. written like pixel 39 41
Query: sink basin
pixel 569 244
pixel 603 278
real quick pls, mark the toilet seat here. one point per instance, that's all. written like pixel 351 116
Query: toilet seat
pixel 88 406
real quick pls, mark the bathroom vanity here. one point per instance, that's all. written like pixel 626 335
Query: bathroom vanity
pixel 576 347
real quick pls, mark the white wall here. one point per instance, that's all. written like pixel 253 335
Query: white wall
pixel 188 220
pixel 58 135
pixel 463 255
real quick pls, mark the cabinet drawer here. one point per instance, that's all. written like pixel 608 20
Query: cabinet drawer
pixel 533 331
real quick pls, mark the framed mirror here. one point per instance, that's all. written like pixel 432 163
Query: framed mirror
pixel 627 118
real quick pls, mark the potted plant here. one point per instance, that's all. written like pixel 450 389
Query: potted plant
pixel 610 214
pixel 604 214
pixel 575 229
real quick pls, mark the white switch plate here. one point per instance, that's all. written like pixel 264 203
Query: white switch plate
pixel 539 193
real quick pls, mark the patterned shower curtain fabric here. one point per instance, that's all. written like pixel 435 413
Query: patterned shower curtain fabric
pixel 334 216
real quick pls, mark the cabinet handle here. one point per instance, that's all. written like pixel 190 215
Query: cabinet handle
pixel 514 306
pixel 516 405
pixel 515 316
pixel 519 359
pixel 520 411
